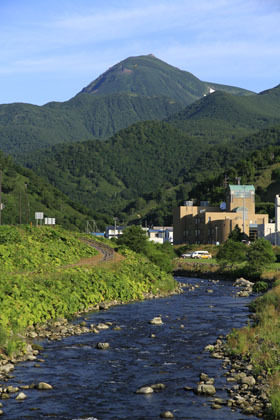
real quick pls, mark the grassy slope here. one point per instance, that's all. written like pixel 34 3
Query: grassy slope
pixel 34 289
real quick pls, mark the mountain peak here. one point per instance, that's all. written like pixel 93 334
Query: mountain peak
pixel 147 75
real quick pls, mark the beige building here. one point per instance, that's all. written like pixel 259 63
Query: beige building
pixel 209 225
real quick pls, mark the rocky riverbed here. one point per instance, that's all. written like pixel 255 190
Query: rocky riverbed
pixel 96 365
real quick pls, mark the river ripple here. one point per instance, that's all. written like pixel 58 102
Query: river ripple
pixel 101 384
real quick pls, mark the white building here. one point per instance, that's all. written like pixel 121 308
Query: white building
pixel 114 231
pixel 161 234
pixel 271 231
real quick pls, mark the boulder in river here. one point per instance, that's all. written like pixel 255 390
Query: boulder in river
pixel 145 390
pixel 156 321
pixel 167 415
pixel 102 346
pixel 205 389
pixel 44 385
pixel 21 396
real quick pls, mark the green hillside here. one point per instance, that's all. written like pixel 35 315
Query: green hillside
pixel 24 193
pixel 106 175
pixel 26 128
pixel 137 89
pixel 144 170
pixel 222 116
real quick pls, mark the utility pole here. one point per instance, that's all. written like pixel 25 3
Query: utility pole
pixel 0 195
pixel 26 205
pixel 243 212
pixel 20 207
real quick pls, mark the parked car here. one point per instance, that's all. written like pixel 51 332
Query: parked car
pixel 201 254
pixel 187 255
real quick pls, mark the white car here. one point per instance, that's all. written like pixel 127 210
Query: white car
pixel 201 254
pixel 187 255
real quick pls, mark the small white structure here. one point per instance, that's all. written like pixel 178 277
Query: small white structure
pixel 161 234
pixel 114 231
pixel 271 231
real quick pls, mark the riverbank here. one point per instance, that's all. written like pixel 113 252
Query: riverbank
pixel 91 382
pixel 42 278
pixel 254 350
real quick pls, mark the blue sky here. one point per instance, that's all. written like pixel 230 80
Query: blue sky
pixel 51 49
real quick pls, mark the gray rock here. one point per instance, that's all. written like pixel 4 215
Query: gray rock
pixel 44 385
pixel 249 380
pixel 11 389
pixel 203 377
pixel 102 346
pixel 216 406
pixel 145 390
pixel 156 321
pixel 6 368
pixel 205 389
pixel 158 386
pixel 102 326
pixel 167 415
pixel 21 396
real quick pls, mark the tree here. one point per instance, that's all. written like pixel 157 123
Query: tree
pixel 232 252
pixel 260 253
pixel 236 234
pixel 134 238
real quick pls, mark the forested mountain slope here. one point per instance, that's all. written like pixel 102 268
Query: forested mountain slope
pixel 221 116
pixel 141 164
pixel 24 193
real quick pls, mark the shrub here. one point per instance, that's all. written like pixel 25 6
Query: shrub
pixel 260 287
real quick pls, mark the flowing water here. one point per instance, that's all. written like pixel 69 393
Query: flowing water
pixel 101 384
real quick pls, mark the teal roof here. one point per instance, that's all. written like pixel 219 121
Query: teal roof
pixel 240 209
pixel 241 188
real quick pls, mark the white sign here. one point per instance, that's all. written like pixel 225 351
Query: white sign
pixel 39 216
pixel 49 221
pixel 2 206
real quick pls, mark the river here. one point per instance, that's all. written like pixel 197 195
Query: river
pixel 101 384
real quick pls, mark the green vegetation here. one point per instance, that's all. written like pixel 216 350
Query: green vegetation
pixel 258 256
pixel 144 171
pixel 232 252
pixel 39 248
pixel 24 193
pixel 259 344
pixel 135 239
pixel 34 287
pixel 113 175
pixel 221 116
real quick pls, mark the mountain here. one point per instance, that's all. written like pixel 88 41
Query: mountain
pixel 221 116
pixel 136 89
pixel 24 193
pixel 149 76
